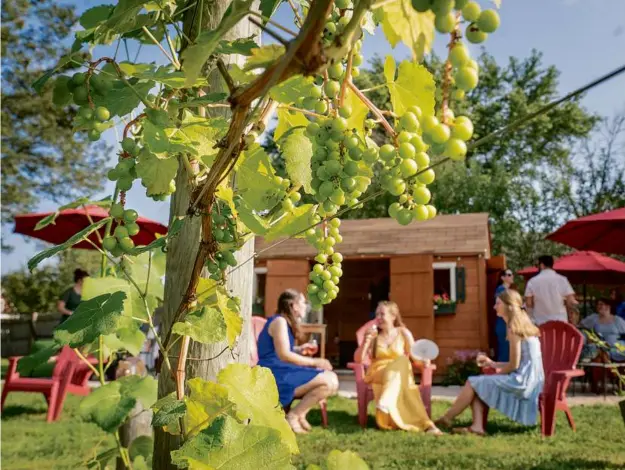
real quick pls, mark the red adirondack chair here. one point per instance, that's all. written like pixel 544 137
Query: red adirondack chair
pixel 64 379
pixel 258 323
pixel 364 391
pixel 561 345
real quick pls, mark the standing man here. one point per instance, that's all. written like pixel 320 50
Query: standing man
pixel 548 294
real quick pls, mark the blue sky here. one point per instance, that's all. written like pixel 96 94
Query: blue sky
pixel 584 39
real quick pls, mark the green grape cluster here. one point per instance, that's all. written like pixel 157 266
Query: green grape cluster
pixel 93 119
pixel 340 163
pixel 327 271
pixel 466 70
pixel 126 227
pixel 224 226
pixel 124 172
pixel 481 23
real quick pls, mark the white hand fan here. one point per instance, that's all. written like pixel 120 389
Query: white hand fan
pixel 424 349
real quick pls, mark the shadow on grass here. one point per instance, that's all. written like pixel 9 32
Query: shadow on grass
pixel 13 411
pixel 576 464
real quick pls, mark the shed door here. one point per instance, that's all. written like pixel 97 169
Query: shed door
pixel 412 288
pixel 283 274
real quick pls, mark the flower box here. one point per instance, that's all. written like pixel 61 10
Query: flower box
pixel 445 309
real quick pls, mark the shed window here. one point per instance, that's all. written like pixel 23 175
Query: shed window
pixel 445 279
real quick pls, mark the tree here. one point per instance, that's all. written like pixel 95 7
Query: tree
pixel 42 157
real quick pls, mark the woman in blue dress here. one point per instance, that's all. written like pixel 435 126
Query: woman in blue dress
pixel 297 376
pixel 515 389
pixel 506 278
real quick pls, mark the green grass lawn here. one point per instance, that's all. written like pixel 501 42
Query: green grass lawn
pixel 28 442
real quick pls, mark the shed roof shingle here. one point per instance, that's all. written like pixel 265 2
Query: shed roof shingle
pixel 445 235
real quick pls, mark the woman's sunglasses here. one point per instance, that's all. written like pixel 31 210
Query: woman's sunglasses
pixel 508 274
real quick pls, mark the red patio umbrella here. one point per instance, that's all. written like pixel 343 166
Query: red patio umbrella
pixel 72 221
pixel 604 232
pixel 586 267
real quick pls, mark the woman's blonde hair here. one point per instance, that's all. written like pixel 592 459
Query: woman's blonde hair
pixel 519 322
pixel 398 323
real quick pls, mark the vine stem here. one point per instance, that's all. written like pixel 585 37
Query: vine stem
pixel 86 361
pixel 181 374
pixel 455 37
pixel 299 22
pixel 273 23
pixel 375 110
pixel 160 46
pixel 299 110
pixel 172 49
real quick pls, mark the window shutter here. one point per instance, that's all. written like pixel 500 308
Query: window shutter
pixel 461 290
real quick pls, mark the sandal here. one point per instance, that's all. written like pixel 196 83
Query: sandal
pixel 305 424
pixel 295 424
pixel 468 430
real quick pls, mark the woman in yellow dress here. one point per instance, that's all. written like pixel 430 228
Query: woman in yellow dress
pixel 397 397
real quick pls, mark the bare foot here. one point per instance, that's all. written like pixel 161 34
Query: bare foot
pixel 304 423
pixel 294 422
pixel 434 431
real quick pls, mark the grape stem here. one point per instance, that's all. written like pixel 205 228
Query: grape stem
pixel 270 32
pixel 172 49
pixel 181 374
pixel 348 77
pixel 455 37
pixel 223 70
pixel 273 23
pixel 298 19
pixel 375 110
pixel 299 110
pixel 375 6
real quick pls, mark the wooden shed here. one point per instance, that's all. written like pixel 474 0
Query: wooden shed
pixel 407 264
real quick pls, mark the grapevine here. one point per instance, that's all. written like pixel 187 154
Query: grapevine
pixel 324 130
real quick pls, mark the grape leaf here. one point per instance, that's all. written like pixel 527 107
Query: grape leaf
pixel 168 411
pixel 414 86
pixel 156 173
pixel 205 325
pixel 291 223
pixel 268 8
pixel 255 179
pixel 195 56
pixel 76 238
pixel 81 201
pixel 155 138
pixel 402 23
pixel 27 364
pixel 124 18
pixel 338 460
pixel 359 112
pixel 368 23
pixel 147 270
pixel 239 76
pixel 291 89
pixel 92 318
pixel 231 311
pixel 94 16
pixel 297 152
pixel 125 339
pixel 199 135
pixel 228 445
pixel 163 74
pixel 255 394
pixel 94 287
pixel 205 402
pixel 100 461
pixel 121 100
pixel 141 446
pixel 242 46
pixel 287 120
pixel 250 219
pixel 61 95
pixel 263 56
pixel 109 405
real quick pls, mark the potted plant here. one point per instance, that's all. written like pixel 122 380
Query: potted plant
pixel 443 305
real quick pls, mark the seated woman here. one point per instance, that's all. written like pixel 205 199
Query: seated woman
pixel 610 328
pixel 397 397
pixel 297 376
pixel 514 391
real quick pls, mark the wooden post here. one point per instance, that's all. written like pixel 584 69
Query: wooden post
pixel 139 422
pixel 184 247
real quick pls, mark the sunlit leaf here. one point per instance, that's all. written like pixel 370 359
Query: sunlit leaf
pixel 255 394
pixel 263 56
pixel 292 223
pixel 229 445
pixel 402 23
pixel 291 89
pixel 156 173
pixel 297 152
pixel 205 325
pixel 242 46
pixel 255 181
pixel 288 120
pixel 206 401
pixel 414 86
